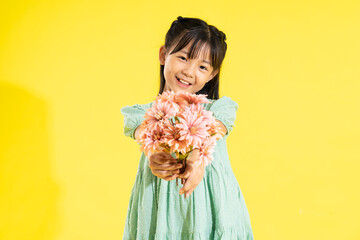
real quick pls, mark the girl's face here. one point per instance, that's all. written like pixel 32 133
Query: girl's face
pixel 184 74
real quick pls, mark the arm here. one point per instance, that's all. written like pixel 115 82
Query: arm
pixel 133 117
pixel 138 130
pixel 224 110
pixel 194 173
pixel 222 129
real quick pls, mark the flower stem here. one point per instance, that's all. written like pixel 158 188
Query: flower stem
pixel 182 170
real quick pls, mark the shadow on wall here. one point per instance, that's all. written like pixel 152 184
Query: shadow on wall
pixel 28 193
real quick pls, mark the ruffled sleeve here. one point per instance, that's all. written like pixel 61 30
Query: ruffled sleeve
pixel 224 109
pixel 133 117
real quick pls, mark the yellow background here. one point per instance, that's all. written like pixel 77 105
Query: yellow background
pixel 67 67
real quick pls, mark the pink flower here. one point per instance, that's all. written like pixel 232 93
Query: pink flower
pixel 193 127
pixel 151 140
pixel 206 151
pixel 159 113
pixel 173 139
pixel 178 123
pixel 196 111
pixel 183 98
pixel 214 130
pixel 166 96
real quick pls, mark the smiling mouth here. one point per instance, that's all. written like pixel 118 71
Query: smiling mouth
pixel 183 82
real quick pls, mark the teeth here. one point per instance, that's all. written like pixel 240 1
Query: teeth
pixel 184 82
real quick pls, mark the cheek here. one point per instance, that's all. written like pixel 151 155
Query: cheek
pixel 175 65
pixel 203 79
pixel 168 67
pixel 168 73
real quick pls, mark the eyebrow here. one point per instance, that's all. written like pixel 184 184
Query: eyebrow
pixel 202 60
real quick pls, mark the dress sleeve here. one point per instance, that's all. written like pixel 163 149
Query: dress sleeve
pixel 224 109
pixel 133 117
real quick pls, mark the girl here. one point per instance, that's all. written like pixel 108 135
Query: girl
pixel 213 207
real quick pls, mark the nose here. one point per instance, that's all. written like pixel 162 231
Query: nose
pixel 189 70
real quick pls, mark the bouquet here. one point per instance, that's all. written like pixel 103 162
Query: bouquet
pixel 177 123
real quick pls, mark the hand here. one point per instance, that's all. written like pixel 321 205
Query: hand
pixel 138 130
pixel 193 174
pixel 164 166
pixel 221 128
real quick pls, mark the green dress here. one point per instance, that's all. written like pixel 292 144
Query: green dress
pixel 216 209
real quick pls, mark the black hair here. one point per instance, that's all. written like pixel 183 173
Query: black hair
pixel 182 31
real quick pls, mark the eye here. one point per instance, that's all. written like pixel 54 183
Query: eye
pixel 181 57
pixel 204 67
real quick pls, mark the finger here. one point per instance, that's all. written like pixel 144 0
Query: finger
pixel 163 160
pixel 164 173
pixel 187 186
pixel 166 155
pixel 161 173
pixel 159 158
pixel 187 173
pixel 171 177
pixel 194 155
pixel 174 166
pixel 165 166
pixel 156 155
pixel 189 192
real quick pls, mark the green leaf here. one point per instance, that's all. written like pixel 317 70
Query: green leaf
pixel 172 121
pixel 178 119
pixel 181 156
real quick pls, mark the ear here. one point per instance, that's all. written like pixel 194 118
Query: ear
pixel 213 74
pixel 162 54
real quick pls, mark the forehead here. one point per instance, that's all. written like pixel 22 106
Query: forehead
pixel 202 53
